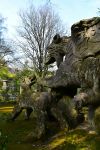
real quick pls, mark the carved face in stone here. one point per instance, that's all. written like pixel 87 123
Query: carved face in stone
pixel 86 37
pixel 57 49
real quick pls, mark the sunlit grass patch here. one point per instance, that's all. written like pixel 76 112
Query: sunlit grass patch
pixel 68 141
pixel 6 109
pixel 57 142
pixel 10 107
pixel 77 139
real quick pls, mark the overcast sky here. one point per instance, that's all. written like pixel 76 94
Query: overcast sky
pixel 70 11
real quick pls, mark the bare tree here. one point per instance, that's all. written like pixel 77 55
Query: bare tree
pixel 38 26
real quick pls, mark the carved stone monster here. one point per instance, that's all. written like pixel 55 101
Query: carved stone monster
pixel 57 50
pixel 81 68
pixel 79 65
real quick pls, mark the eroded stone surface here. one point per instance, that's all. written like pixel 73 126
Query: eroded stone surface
pixel 86 37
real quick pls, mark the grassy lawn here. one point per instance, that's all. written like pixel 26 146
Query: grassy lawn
pixel 17 136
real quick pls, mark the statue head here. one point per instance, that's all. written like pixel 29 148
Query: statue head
pixel 57 49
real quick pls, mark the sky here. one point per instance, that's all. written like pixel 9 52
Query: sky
pixel 70 11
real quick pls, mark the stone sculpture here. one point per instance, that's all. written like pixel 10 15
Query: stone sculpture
pixel 81 68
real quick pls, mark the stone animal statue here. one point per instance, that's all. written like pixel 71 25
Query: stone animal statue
pixel 81 68
pixel 57 50
pixel 25 92
pixel 43 105
pixel 26 97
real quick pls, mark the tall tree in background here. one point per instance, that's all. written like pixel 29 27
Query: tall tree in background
pixel 5 49
pixel 38 26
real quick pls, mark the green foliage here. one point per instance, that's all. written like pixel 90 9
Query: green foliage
pixel 5 73
pixel 22 74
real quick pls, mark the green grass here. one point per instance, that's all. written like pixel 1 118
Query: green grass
pixel 19 137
